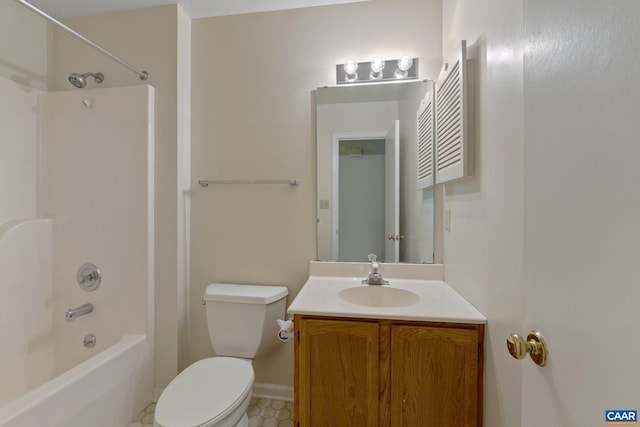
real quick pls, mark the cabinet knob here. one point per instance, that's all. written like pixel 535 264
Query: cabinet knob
pixel 534 345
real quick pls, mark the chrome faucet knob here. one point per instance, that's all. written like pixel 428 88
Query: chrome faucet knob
pixel 374 264
pixel 88 277
pixel 374 277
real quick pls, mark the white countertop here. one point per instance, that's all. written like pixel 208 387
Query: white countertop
pixel 436 302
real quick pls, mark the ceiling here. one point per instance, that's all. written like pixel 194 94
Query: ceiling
pixel 195 8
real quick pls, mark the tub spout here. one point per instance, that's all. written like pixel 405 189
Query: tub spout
pixel 72 313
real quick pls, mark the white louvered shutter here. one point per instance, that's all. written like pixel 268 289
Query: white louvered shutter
pixel 451 120
pixel 426 138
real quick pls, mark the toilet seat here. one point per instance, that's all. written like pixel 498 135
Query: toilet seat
pixel 205 393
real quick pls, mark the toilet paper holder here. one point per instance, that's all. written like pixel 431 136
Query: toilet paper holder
pixel 286 329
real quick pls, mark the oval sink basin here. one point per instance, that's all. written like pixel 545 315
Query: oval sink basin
pixel 378 296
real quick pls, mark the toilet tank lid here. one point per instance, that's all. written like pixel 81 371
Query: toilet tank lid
pixel 247 294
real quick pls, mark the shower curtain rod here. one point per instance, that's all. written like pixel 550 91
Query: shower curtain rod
pixel 141 73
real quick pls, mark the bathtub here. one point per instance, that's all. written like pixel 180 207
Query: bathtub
pixel 107 390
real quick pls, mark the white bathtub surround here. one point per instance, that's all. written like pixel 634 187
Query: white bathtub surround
pixel 18 150
pixel 101 392
pixel 90 199
pixel 25 245
pixel 97 185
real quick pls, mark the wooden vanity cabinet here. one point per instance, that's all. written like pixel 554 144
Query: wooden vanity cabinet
pixel 387 373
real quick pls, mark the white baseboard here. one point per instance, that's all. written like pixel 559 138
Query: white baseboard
pixel 157 391
pixel 259 391
pixel 272 391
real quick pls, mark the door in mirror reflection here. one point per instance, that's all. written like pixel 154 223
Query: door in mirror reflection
pixel 344 219
pixel 361 199
pixel 367 185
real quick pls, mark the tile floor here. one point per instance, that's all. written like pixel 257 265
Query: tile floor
pixel 270 413
pixel 261 412
pixel 144 418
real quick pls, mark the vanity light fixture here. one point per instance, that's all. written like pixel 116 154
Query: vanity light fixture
pixel 404 68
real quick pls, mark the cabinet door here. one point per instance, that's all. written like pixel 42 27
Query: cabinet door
pixel 337 382
pixel 434 377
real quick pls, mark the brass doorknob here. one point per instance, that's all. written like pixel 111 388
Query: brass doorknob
pixel 395 237
pixel 535 346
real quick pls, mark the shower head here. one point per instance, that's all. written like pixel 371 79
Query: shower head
pixel 80 80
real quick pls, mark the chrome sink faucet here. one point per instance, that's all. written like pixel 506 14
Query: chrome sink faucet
pixel 374 277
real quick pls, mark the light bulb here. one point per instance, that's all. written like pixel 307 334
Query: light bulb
pixel 350 67
pixel 377 65
pixel 404 64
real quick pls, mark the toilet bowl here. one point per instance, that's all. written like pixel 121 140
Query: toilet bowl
pixel 211 392
pixel 215 392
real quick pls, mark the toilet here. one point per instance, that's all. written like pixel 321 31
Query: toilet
pixel 215 392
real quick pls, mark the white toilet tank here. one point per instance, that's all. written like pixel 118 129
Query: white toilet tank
pixel 242 318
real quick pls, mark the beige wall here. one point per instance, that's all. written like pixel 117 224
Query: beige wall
pixel 483 252
pixel 254 117
pixel 148 39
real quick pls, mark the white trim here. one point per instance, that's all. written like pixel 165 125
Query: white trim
pixel 272 391
pixel 259 391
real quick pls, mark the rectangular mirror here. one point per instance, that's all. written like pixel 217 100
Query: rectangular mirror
pixel 369 200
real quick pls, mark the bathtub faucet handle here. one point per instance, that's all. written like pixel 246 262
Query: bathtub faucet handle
pixel 88 277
